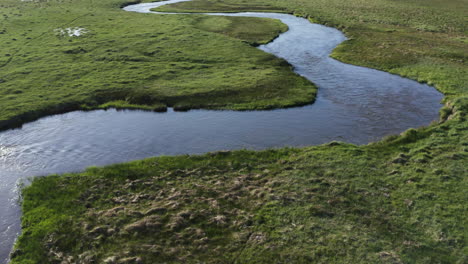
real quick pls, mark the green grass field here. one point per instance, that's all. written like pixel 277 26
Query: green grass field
pixel 137 60
pixel 423 40
pixel 401 200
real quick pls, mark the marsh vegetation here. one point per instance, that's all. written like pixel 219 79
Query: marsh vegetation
pixel 401 200
pixel 133 60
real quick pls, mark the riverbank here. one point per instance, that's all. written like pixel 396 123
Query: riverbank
pixel 426 41
pixel 397 201
pixel 400 200
pixel 150 63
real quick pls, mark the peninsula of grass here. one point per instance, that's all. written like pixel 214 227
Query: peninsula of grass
pixel 425 40
pixel 140 60
pixel 401 200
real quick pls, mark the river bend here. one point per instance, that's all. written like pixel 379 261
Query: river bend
pixel 354 104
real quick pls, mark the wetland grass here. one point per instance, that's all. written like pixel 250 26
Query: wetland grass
pixel 400 200
pixel 136 59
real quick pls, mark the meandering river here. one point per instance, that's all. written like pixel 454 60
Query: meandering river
pixel 354 104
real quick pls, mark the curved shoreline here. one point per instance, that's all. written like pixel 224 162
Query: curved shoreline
pixel 18 121
pixel 325 99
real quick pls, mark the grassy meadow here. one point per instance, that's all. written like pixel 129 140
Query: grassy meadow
pixel 420 39
pixel 129 60
pixel 400 200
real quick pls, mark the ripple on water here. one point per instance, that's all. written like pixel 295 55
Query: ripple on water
pixel 354 104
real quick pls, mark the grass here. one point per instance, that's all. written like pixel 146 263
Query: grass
pixel 221 6
pixel 422 40
pixel 263 32
pixel 139 59
pixel 397 201
pixel 400 200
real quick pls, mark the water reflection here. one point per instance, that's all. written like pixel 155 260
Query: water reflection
pixel 354 104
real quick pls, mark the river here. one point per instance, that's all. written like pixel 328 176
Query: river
pixel 354 104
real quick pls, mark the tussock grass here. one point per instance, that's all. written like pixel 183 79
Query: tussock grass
pixel 397 201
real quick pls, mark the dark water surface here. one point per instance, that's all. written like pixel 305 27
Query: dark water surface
pixel 354 104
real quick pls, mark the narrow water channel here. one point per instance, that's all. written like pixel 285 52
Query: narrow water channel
pixel 354 104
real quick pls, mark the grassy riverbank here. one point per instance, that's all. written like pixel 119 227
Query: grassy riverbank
pixel 401 200
pixel 423 40
pixel 142 60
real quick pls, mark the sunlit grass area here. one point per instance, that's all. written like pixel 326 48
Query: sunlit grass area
pixel 142 59
pixel 398 201
pixel 401 200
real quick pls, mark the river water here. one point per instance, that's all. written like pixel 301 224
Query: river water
pixel 354 104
